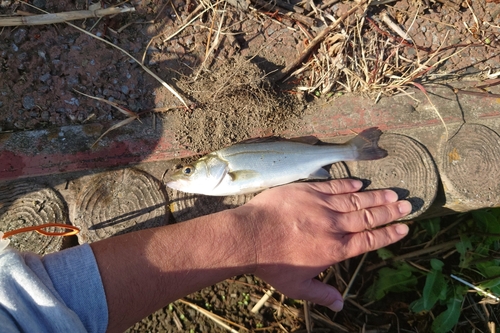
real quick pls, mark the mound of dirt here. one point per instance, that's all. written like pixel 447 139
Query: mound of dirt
pixel 234 102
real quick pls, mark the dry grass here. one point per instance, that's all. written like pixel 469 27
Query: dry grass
pixel 357 59
pixel 362 58
pixel 61 17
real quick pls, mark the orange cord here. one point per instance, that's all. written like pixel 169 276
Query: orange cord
pixel 39 229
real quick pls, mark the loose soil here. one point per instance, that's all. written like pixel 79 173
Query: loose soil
pixel 233 96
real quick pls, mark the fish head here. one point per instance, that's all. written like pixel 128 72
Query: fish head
pixel 201 177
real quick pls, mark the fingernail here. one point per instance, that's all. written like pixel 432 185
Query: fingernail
pixel 337 306
pixel 404 207
pixel 391 196
pixel 356 183
pixel 402 229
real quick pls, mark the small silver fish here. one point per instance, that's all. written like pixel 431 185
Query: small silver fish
pixel 252 166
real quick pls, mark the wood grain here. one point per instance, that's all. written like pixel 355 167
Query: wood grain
pixel 470 168
pixel 339 170
pixel 408 169
pixel 120 201
pixel 24 204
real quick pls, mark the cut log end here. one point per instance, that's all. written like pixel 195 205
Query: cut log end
pixel 118 202
pixel 26 204
pixel 470 168
pixel 408 169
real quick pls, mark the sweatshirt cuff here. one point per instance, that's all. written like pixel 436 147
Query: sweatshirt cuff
pixel 75 275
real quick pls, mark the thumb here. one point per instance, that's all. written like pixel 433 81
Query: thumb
pixel 323 294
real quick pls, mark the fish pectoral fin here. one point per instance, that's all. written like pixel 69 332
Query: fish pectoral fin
pixel 243 175
pixel 319 174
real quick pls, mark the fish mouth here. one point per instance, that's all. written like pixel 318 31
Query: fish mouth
pixel 174 184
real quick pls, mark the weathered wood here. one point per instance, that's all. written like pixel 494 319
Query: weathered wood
pixel 470 168
pixel 50 152
pixel 118 202
pixel 339 170
pixel 408 169
pixel 24 204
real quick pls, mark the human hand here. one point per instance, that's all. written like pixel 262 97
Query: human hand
pixel 301 229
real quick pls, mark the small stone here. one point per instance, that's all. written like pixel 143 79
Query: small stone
pixel 19 124
pixel 73 80
pixel 45 115
pixel 40 3
pixel 45 77
pixel 22 56
pixel 44 89
pixel 28 102
pixel 81 116
pixel 42 54
pixel 124 89
pixel 72 101
pixel 20 35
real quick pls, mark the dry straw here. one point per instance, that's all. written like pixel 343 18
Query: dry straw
pixel 44 19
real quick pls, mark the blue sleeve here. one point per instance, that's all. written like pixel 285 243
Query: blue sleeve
pixel 61 292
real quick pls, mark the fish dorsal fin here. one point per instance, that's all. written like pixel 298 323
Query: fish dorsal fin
pixel 262 140
pixel 302 139
pixel 309 139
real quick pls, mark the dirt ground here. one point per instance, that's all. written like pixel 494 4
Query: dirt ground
pixel 225 63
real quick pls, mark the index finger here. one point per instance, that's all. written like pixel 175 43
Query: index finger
pixel 337 186
pixel 350 202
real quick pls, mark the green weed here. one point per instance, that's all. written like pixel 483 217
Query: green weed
pixel 442 283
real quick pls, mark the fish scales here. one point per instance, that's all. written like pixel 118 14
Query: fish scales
pixel 252 167
pixel 280 156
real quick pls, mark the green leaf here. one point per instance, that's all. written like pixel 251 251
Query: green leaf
pixel 437 265
pixel 488 223
pixel 490 284
pixel 418 305
pixel 391 280
pixel 432 226
pixel 496 213
pixel 384 253
pixel 434 289
pixel 483 249
pixel 489 268
pixel 449 318
pixel 463 247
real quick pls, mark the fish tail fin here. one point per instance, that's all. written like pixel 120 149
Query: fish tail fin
pixel 366 145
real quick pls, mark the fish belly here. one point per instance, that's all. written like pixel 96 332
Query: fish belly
pixel 260 166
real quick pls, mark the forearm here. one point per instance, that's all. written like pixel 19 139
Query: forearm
pixel 286 235
pixel 166 263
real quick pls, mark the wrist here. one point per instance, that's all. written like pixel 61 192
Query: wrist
pixel 244 224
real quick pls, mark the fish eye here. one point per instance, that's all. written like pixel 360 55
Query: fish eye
pixel 188 170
